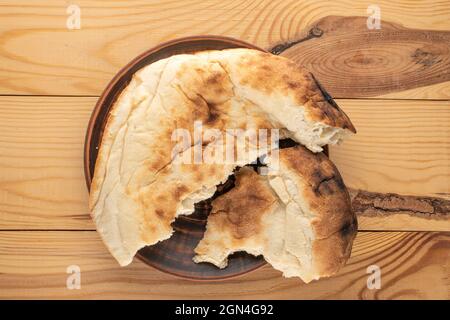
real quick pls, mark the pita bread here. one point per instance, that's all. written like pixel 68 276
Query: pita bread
pixel 137 190
pixel 299 219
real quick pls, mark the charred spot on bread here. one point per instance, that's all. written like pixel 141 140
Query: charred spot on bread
pixel 350 228
pixel 215 79
pixel 180 190
pixel 322 184
pixel 213 113
pixel 160 213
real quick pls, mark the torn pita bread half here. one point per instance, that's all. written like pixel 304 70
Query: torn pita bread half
pixel 138 189
pixel 300 218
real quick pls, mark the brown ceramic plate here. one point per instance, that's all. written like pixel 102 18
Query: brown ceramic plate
pixel 173 255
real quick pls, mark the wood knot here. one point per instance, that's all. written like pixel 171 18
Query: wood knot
pixel 314 32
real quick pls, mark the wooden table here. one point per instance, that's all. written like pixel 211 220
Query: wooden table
pixel 393 82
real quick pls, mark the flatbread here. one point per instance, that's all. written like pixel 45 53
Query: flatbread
pixel 138 190
pixel 300 218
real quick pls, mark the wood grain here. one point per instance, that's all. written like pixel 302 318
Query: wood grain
pixel 401 147
pixel 434 91
pixel 39 55
pixel 41 159
pixel 375 211
pixel 414 265
pixel 41 167
pixel 352 61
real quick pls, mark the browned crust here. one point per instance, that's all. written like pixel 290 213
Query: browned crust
pixel 331 253
pixel 240 210
pixel 273 74
pixel 335 225
pixel 320 186
pixel 325 193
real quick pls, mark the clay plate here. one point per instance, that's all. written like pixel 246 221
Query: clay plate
pixel 173 255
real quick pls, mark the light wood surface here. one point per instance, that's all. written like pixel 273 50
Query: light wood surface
pixel 402 146
pixel 413 265
pixel 41 162
pixel 39 55
pixel 434 91
pixel 394 83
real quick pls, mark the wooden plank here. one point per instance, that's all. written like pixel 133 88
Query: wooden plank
pixel 81 62
pixel 41 162
pixel 434 91
pixel 401 147
pixel 414 265
pixel 42 181
pixel 352 61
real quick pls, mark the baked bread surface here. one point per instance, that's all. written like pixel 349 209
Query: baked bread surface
pixel 138 190
pixel 299 218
